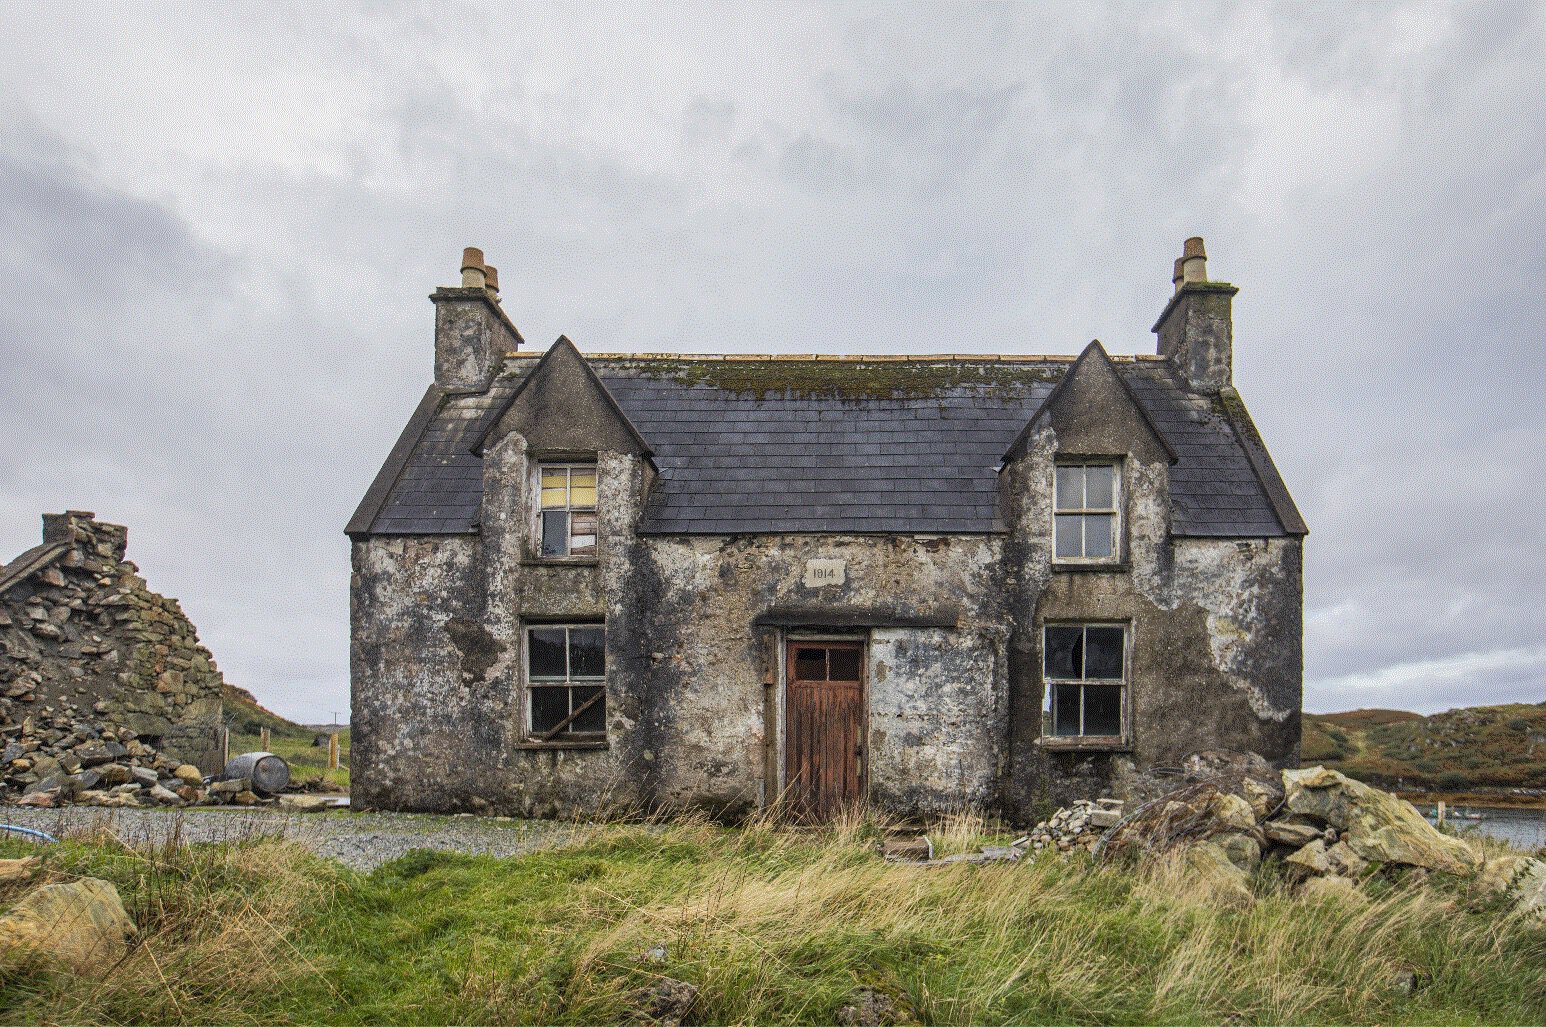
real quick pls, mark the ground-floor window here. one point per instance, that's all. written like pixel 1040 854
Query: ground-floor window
pixel 1085 670
pixel 566 681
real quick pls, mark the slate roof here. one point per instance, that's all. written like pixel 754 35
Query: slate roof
pixel 29 563
pixel 828 445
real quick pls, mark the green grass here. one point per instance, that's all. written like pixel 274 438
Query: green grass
pixel 306 761
pixel 773 927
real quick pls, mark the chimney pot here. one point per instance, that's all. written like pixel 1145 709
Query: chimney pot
pixel 473 276
pixel 1176 276
pixel 1194 261
pixel 491 276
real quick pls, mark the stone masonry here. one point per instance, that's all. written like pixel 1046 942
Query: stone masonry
pixel 819 580
pixel 79 628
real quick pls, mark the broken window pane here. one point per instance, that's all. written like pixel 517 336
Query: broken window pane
pixel 1102 710
pixel 1097 487
pixel 1070 487
pixel 1063 656
pixel 1089 652
pixel 844 665
pixel 1097 536
pixel 593 719
pixel 582 497
pixel 587 652
pixel 549 706
pixel 547 653
pixel 1070 542
pixel 1103 651
pixel 582 534
pixel 555 533
pixel 555 477
pixel 555 499
pixel 1065 709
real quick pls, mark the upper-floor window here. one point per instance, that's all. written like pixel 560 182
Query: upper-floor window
pixel 568 509
pixel 1084 667
pixel 1087 521
pixel 566 668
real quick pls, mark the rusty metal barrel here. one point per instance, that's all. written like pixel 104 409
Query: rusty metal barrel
pixel 267 772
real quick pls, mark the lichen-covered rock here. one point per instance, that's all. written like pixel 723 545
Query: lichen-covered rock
pixel 1287 832
pixel 1374 824
pixel 1217 874
pixel 1241 850
pixel 1309 861
pixel 1340 889
pixel 81 924
pixel 17 869
pixel 1521 878
pixel 1232 812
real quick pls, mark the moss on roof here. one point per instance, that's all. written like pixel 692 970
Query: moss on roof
pixel 848 379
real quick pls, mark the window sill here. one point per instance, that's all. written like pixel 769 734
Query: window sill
pixel 1116 567
pixel 1084 743
pixel 532 744
pixel 561 561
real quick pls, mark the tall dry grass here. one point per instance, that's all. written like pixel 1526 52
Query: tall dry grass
pixel 775 925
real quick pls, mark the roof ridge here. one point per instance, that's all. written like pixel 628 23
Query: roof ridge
pixel 1015 358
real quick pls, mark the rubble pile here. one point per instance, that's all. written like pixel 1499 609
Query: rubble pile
pixel 1079 826
pixel 1323 832
pixel 55 755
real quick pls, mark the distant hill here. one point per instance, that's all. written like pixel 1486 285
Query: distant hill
pixel 1477 747
pixel 244 715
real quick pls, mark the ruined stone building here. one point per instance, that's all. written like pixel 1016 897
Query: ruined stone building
pixel 925 582
pixel 79 630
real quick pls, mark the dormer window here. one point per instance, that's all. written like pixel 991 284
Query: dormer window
pixel 568 509
pixel 1087 519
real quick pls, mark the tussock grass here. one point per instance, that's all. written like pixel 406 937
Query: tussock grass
pixel 774 926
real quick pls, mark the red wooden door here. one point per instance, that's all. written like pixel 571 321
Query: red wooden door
pixel 823 727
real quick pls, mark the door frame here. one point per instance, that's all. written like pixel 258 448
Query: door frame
pixel 792 636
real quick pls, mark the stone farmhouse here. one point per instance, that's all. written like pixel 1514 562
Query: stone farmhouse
pixel 653 580
pixel 81 631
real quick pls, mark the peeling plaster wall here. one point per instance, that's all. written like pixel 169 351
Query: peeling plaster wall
pixel 1214 644
pixel 937 704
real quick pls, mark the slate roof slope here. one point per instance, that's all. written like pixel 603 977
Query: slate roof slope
pixel 825 445
pixel 29 563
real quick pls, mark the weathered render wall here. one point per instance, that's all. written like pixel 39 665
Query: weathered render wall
pixel 722 608
pixel 1214 647
pixel 86 629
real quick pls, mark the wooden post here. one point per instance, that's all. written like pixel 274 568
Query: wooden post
pixel 225 747
pixel 1441 813
pixel 263 739
pixel 332 751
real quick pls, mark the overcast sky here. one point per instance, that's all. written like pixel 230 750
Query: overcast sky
pixel 219 225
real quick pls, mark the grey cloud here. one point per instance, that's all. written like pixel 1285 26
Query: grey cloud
pixel 964 178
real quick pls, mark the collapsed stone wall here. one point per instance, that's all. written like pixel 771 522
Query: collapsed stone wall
pixel 80 627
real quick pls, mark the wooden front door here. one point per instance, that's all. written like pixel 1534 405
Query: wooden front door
pixel 823 727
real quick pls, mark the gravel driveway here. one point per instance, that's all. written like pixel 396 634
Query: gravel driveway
pixel 363 841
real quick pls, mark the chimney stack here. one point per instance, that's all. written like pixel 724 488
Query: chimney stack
pixel 472 332
pixel 1196 329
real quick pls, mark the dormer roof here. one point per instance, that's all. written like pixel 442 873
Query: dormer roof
pixel 750 444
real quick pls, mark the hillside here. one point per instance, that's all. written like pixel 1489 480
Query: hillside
pixel 297 743
pixel 1478 748
pixel 244 715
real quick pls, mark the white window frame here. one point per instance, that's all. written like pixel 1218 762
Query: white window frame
pixel 569 681
pixel 1049 704
pixel 569 509
pixel 1114 511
